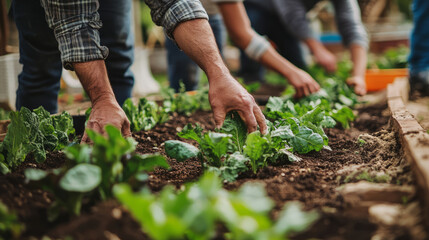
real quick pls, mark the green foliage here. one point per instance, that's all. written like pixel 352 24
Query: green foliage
pixel 251 87
pixel 180 150
pixel 228 152
pixel 4 114
pixel 301 125
pixel 10 227
pixel 195 212
pixel 145 115
pixel 234 126
pixel 394 58
pixel 186 102
pixel 98 167
pixel 34 133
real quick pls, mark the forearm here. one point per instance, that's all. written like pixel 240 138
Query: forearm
pixel 273 60
pixel 196 39
pixel 314 45
pixel 94 79
pixel 241 33
pixel 359 59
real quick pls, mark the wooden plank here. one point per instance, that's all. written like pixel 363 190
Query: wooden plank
pixel 415 141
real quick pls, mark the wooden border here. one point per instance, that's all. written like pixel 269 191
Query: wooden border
pixel 414 139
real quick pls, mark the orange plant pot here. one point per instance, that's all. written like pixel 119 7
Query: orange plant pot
pixel 378 79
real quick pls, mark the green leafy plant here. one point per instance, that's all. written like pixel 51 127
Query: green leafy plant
pixel 394 58
pixel 145 115
pixel 186 102
pixel 98 167
pixel 4 114
pixel 195 211
pixel 10 227
pixel 229 151
pixel 34 133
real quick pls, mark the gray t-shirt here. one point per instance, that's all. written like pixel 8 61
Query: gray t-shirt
pixel 293 17
pixel 211 7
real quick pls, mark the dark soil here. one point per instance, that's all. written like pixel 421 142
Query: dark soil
pixel 312 181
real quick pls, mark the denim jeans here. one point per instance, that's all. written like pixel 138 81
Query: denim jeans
pixel 268 24
pixel 39 81
pixel 419 56
pixel 181 67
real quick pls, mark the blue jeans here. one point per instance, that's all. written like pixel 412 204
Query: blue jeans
pixel 181 67
pixel 268 24
pixel 419 56
pixel 39 81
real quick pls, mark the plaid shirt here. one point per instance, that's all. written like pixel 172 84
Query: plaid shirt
pixel 76 23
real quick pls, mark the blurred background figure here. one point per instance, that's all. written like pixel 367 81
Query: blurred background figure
pixel 419 46
pixel 286 24
pixel 233 13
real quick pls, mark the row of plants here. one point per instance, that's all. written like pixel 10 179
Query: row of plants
pixel 147 114
pixel 294 126
pixel 111 168
pixel 92 173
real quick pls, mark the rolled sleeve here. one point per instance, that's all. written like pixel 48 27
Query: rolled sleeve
pixel 349 23
pixel 170 13
pixel 75 25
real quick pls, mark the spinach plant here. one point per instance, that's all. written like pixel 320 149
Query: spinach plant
pixel 186 102
pixel 145 115
pixel 34 132
pixel 229 151
pixel 195 212
pixel 94 169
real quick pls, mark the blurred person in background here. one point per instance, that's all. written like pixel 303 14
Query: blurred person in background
pixel 233 14
pixel 286 24
pixel 53 33
pixel 419 44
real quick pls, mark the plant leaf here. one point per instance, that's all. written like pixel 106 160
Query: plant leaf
pixel 180 150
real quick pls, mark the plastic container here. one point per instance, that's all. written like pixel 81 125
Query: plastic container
pixel 9 70
pixel 378 79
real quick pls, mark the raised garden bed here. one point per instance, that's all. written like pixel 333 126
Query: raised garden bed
pixel 377 157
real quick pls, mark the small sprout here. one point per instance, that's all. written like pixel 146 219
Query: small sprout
pixel 361 142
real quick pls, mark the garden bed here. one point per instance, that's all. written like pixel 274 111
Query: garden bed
pixel 314 181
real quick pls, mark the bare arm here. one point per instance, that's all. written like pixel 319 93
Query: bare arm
pixel 196 39
pixel 105 109
pixel 322 55
pixel 359 59
pixel 241 32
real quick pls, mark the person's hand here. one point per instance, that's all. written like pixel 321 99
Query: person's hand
pixel 303 83
pixel 226 94
pixel 326 59
pixel 358 83
pixel 104 112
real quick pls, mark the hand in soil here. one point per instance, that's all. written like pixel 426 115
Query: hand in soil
pixel 303 83
pixel 359 84
pixel 106 112
pixel 226 94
